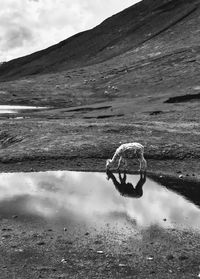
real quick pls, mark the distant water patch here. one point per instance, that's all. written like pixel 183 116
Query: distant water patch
pixel 15 109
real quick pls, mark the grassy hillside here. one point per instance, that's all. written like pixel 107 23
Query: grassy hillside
pixel 134 27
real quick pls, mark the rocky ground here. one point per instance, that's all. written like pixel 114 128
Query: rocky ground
pixel 34 249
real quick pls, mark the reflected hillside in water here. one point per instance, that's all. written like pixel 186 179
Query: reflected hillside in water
pixel 187 188
pixel 90 198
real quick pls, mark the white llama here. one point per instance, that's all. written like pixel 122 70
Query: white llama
pixel 128 150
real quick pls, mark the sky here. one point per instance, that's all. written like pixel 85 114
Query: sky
pixel 27 26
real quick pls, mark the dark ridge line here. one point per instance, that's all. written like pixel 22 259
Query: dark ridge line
pixel 166 6
pixel 103 116
pixel 183 98
pixel 89 108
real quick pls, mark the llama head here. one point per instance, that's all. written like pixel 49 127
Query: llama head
pixel 108 163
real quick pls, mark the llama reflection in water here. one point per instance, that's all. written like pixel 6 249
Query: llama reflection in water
pixel 125 188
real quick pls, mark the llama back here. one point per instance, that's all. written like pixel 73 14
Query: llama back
pixel 129 146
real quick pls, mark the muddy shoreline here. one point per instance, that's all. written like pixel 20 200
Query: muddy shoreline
pixel 184 170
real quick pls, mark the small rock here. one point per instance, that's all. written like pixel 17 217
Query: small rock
pixel 65 229
pixel 6 236
pixel 149 258
pixel 35 235
pixel 170 257
pixel 63 261
pixel 97 242
pixel 46 268
pixel 122 265
pixel 62 276
pixel 180 176
pixel 14 216
pixel 6 229
pixel 183 258
pixel 41 243
pixel 87 233
pixel 19 250
pixel 69 242
pixel 99 252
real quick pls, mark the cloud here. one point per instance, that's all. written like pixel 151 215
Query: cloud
pixel 30 25
pixel 16 37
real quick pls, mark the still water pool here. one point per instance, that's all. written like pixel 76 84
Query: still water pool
pixel 92 198
pixel 4 109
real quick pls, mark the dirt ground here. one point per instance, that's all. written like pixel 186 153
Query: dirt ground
pixel 34 249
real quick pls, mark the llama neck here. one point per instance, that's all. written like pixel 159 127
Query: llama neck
pixel 115 158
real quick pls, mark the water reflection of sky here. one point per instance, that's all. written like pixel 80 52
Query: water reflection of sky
pixel 89 197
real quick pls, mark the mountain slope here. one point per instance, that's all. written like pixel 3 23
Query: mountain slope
pixel 118 34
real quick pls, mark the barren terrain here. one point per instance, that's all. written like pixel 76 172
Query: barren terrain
pixel 135 78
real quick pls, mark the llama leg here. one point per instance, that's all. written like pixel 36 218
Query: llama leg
pixel 122 162
pixel 143 161
pixel 144 164
pixel 119 163
pixel 139 157
pixel 140 160
pixel 125 164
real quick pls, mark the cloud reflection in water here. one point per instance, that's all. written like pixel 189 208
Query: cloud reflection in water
pixel 91 198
